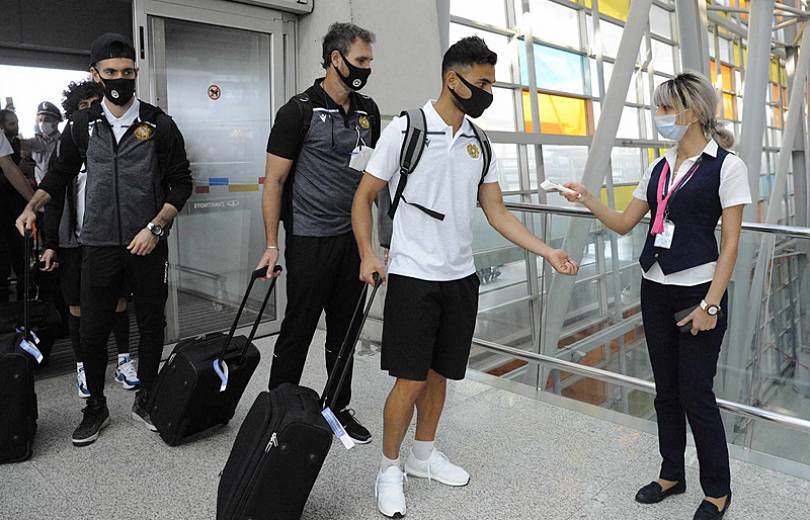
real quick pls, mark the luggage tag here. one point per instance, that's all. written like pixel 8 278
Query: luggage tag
pixel 664 239
pixel 31 333
pixel 31 350
pixel 360 157
pixel 337 428
pixel 222 372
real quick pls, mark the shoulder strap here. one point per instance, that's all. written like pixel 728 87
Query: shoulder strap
pixel 486 150
pixel 412 147
pixel 304 104
pixel 80 132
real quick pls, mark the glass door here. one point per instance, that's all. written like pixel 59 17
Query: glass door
pixel 217 84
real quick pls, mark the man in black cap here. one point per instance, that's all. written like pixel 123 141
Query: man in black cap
pixel 138 179
pixel 41 147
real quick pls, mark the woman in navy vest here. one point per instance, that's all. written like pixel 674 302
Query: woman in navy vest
pixel 687 191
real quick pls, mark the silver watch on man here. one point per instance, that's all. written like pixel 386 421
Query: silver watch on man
pixel 156 229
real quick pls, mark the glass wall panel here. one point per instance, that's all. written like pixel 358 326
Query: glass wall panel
pixel 559 114
pixel 556 69
pixel 555 23
pixel 492 12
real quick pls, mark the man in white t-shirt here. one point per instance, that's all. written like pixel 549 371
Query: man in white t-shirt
pixel 432 297
pixel 11 171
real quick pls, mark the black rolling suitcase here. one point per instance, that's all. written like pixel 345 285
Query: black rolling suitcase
pixel 18 401
pixel 201 383
pixel 44 321
pixel 281 446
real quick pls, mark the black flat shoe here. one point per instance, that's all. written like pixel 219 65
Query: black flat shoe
pixel 653 493
pixel 709 511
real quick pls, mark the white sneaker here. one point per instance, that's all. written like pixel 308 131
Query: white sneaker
pixel 438 467
pixel 126 374
pixel 81 383
pixel 389 490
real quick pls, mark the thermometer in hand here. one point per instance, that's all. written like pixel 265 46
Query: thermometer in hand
pixel 553 186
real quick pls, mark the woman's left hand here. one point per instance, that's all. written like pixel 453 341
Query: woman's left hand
pixel 701 321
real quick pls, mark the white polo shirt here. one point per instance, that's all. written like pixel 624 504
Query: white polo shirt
pixel 445 180
pixel 734 190
pixel 120 125
pixel 5 146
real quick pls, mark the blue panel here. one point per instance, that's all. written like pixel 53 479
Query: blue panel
pixel 556 69
pixel 217 181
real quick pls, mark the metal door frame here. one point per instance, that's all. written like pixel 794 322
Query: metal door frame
pixel 151 84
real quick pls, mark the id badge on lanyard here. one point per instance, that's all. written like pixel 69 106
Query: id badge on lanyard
pixel 664 240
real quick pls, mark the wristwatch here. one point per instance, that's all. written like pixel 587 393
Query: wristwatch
pixel 711 310
pixel 156 229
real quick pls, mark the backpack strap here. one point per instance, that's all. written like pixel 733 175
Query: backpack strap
pixel 413 145
pixel 486 150
pixel 305 110
pixel 304 104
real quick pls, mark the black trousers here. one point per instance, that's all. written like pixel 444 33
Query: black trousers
pixel 12 256
pixel 684 367
pixel 322 275
pixel 104 271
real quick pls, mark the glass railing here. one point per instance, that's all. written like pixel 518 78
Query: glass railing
pixel 534 325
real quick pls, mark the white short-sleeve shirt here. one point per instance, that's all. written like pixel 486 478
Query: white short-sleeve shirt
pixel 734 191
pixel 445 180
pixel 5 146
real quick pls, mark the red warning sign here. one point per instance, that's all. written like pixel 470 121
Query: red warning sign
pixel 214 92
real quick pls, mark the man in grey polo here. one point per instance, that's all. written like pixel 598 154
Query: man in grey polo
pixel 310 185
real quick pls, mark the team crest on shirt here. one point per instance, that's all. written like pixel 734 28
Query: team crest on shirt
pixel 143 132
pixel 473 151
pixel 363 122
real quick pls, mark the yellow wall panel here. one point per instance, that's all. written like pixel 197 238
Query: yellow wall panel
pixel 558 114
pixel 622 194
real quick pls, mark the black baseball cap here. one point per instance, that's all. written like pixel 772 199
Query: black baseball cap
pixel 111 45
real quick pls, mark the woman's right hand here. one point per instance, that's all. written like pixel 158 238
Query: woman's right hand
pixel 579 196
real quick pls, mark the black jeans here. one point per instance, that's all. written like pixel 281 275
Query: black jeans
pixel 322 275
pixel 104 271
pixel 684 367
pixel 13 254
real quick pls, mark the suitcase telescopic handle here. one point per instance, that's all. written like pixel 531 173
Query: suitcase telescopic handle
pixel 258 273
pixel 346 353
pixel 30 235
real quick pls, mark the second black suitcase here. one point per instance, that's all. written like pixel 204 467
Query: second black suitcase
pixel 194 390
pixel 281 446
pixel 18 400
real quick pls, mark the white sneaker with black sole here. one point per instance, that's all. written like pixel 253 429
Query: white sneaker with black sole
pixel 438 467
pixel 389 489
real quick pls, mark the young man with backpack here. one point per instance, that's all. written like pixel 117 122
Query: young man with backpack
pixel 138 179
pixel 310 181
pixel 438 163
pixel 63 253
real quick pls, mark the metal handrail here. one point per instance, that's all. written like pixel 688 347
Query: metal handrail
pixel 774 229
pixel 606 376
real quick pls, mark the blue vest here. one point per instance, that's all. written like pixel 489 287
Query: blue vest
pixel 695 209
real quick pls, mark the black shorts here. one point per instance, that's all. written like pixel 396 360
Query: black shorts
pixel 70 276
pixel 428 325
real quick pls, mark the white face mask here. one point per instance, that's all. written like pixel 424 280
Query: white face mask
pixel 668 128
pixel 47 127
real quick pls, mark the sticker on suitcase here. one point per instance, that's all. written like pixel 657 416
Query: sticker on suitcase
pixel 337 428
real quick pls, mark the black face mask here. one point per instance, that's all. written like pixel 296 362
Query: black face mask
pixel 357 77
pixel 474 105
pixel 118 91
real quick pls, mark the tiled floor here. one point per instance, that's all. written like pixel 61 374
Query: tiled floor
pixel 528 460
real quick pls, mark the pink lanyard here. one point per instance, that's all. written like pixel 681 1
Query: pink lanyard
pixel 661 210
